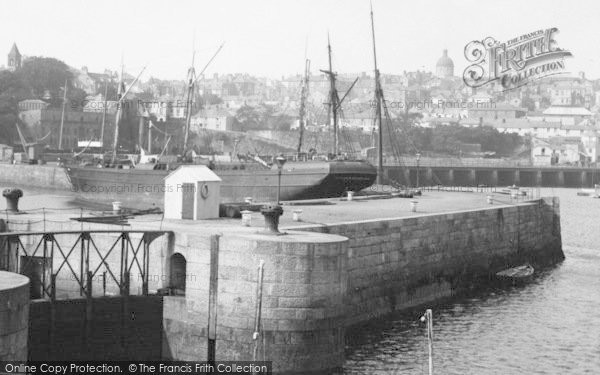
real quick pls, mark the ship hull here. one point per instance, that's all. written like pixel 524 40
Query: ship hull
pixel 142 189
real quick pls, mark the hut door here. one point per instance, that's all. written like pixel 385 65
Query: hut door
pixel 187 204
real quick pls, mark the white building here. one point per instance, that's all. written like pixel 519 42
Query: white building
pixel 213 118
pixel 192 192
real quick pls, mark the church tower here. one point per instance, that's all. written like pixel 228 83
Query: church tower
pixel 14 58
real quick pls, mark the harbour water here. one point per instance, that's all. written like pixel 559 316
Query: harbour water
pixel 548 326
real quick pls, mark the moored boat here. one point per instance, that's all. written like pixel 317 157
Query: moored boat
pixel 144 188
pixel 516 274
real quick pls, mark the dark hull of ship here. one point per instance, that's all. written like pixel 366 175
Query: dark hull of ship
pixel 143 189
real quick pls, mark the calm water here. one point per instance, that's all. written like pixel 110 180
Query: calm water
pixel 549 326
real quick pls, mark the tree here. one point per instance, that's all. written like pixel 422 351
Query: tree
pixel 8 118
pixel 12 90
pixel 45 73
pixel 247 118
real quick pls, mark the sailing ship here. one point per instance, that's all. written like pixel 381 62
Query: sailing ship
pixel 142 186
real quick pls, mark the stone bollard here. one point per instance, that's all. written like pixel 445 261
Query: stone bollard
pixel 490 199
pixel 116 207
pixel 246 218
pixel 297 215
pixel 12 196
pixel 272 212
pixel 350 195
pixel 413 205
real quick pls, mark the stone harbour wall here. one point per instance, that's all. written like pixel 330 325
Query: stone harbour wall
pixel 318 280
pixel 395 264
pixel 14 315
pixel 40 176
pixel 302 307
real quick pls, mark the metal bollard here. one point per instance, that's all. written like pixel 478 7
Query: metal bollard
pixel 12 196
pixel 272 212
pixel 413 205
pixel 246 218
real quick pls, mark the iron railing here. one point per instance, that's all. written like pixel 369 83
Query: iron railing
pixel 16 256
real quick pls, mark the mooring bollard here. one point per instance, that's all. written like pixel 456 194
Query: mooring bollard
pixel 413 205
pixel 297 215
pixel 246 218
pixel 490 199
pixel 272 212
pixel 12 196
pixel 350 195
pixel 116 207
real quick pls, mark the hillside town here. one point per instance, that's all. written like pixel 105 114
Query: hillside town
pixel 556 117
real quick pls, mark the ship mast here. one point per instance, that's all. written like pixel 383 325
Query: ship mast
pixel 303 97
pixel 104 114
pixel 189 103
pixel 62 117
pixel 192 79
pixel 378 103
pixel 333 99
pixel 118 115
pixel 121 95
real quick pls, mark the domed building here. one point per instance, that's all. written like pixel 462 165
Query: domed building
pixel 445 66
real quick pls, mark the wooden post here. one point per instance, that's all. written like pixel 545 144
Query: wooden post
pixel 104 283
pixel 146 266
pixel 212 297
pixel 88 306
pixel 429 319
pixel 125 310
pixel 52 313
pixel 257 317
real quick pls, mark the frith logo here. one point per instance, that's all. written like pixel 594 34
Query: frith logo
pixel 516 62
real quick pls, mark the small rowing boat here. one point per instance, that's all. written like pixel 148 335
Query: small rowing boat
pixel 519 273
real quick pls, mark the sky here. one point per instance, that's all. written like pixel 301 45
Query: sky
pixel 272 37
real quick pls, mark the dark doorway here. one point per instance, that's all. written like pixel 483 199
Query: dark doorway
pixel 38 271
pixel 178 274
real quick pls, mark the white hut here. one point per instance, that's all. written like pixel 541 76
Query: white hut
pixel 192 192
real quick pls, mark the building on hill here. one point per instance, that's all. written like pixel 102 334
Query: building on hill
pixel 534 128
pixel 445 66
pixel 502 112
pixel 93 83
pixel 566 114
pixel 213 118
pixel 78 126
pixel 569 91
